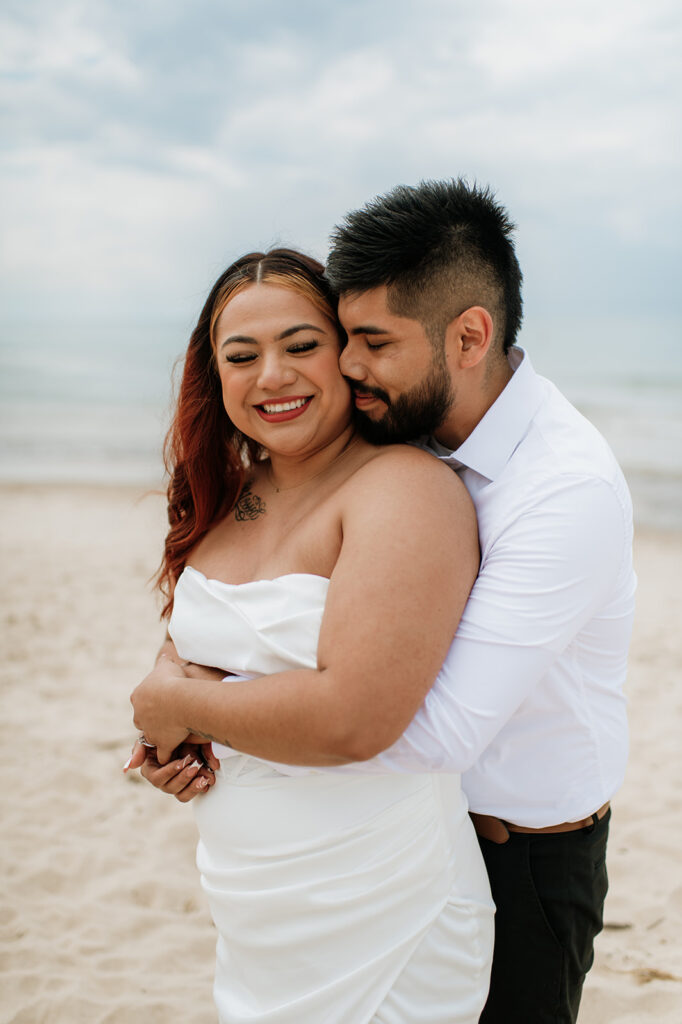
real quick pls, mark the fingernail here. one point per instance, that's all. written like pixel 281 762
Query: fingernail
pixel 187 761
pixel 195 764
pixel 202 783
pixel 126 766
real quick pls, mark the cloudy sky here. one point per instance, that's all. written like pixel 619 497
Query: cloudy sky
pixel 146 143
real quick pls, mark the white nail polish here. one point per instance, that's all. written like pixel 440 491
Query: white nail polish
pixel 126 766
pixel 195 764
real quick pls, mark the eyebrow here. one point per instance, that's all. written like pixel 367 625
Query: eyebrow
pixel 368 329
pixel 246 339
pixel 299 327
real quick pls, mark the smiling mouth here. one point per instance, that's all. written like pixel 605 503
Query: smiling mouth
pixel 285 409
pixel 274 407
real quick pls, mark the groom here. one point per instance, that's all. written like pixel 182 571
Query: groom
pixel 529 704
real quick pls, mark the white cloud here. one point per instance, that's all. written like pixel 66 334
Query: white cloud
pixel 531 40
pixel 59 41
pixel 146 147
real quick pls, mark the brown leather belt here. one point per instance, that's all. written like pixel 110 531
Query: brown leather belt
pixel 497 830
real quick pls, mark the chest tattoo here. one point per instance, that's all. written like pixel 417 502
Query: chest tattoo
pixel 249 506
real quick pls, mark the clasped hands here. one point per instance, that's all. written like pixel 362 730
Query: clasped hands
pixel 177 762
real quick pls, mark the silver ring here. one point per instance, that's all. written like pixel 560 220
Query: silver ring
pixel 145 742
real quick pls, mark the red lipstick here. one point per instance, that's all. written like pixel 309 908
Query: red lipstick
pixel 300 403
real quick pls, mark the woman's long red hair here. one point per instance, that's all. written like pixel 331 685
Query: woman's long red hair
pixel 206 457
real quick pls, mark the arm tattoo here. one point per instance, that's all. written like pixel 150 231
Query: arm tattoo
pixel 249 506
pixel 210 739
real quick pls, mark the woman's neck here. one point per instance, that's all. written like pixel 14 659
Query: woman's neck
pixel 288 472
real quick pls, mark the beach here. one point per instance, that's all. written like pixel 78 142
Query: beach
pixel 103 917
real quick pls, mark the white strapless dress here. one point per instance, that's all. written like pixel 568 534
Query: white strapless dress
pixel 338 898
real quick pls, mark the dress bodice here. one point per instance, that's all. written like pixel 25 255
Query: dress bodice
pixel 254 628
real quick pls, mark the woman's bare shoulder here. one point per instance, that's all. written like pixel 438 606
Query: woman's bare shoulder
pixel 396 466
pixel 408 489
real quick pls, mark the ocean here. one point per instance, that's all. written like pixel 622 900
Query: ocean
pixel 89 402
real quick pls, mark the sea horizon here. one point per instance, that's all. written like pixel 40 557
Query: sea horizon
pixel 89 402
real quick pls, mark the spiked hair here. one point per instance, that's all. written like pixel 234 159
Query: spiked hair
pixel 439 247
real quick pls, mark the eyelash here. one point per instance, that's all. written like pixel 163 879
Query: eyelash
pixel 303 346
pixel 299 348
pixel 375 347
pixel 240 357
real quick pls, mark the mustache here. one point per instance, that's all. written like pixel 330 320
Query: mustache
pixel 365 389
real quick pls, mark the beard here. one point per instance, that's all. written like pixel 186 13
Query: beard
pixel 416 412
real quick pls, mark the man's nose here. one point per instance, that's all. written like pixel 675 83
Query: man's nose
pixel 275 373
pixel 350 362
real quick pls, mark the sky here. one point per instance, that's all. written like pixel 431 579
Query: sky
pixel 144 145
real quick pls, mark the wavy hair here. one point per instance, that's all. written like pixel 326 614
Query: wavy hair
pixel 206 457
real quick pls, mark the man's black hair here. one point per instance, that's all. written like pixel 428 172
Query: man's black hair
pixel 440 247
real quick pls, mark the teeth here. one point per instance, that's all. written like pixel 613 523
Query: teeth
pixel 273 407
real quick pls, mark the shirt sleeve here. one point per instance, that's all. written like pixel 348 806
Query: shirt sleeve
pixel 542 579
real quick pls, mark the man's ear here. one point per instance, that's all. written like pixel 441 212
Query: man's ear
pixel 469 336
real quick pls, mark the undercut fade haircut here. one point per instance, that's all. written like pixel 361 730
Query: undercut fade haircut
pixel 440 247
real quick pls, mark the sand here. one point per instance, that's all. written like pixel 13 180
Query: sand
pixel 103 920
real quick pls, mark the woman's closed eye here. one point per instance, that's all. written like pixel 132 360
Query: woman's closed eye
pixel 240 357
pixel 299 347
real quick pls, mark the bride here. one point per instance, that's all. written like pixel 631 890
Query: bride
pixel 296 547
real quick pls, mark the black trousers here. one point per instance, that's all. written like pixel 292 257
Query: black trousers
pixel 549 892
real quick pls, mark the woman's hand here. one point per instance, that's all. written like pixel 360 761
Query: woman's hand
pixel 153 710
pixel 192 768
pixel 189 774
pixel 185 777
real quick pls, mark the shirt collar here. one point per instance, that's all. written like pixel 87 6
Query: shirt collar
pixel 494 439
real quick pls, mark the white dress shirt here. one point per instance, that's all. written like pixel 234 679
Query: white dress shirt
pixel 529 705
